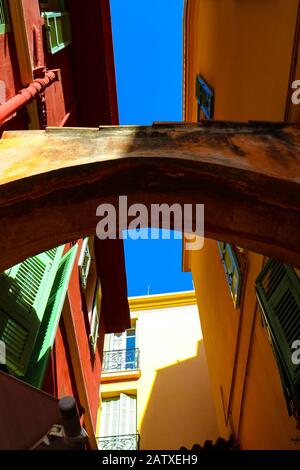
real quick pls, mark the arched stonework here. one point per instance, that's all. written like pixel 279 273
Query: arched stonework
pixel 246 175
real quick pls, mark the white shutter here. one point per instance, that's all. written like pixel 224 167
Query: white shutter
pixel 127 420
pixel 109 425
pixel 116 342
pixel 94 333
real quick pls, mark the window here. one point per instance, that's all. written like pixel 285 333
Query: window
pixel 32 295
pixel 46 336
pixel 232 270
pixel 118 429
pixel 4 18
pixel 58 30
pixel 94 334
pixel 24 293
pixel 205 99
pixel 121 352
pixel 278 294
pixel 84 262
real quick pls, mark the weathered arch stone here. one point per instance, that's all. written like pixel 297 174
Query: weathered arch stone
pixel 247 175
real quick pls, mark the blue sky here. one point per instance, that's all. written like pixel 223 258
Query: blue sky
pixel 148 56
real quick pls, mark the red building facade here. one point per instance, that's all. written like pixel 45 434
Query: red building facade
pixel 57 69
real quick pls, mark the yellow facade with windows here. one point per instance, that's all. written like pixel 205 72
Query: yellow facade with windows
pixel 247 52
pixel 174 405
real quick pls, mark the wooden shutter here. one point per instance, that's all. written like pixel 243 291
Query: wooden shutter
pixel 115 341
pixel 95 318
pixel 47 332
pixel 127 421
pixel 278 292
pixel 232 270
pixel 84 262
pixel 24 293
pixel 109 425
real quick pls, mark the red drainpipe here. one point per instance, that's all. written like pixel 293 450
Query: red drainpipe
pixel 27 94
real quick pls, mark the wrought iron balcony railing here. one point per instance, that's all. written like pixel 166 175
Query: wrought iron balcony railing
pixel 121 359
pixel 125 442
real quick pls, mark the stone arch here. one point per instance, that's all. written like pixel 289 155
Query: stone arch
pixel 246 175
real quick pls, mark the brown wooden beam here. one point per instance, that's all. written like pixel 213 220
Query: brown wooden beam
pixel 247 175
pixel 110 264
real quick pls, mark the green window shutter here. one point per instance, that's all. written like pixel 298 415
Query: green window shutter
pixel 24 292
pixel 278 293
pixel 46 336
pixel 58 30
pixel 233 272
pixel 4 18
pixel 95 319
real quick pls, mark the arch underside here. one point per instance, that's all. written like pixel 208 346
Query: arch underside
pixel 246 175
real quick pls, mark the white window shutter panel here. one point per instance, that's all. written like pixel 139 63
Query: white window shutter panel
pixel 109 417
pixel 127 422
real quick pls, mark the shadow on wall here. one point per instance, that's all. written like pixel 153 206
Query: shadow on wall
pixel 180 411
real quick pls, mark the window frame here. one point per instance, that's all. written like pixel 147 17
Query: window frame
pixel 84 269
pixel 204 90
pixel 224 249
pixel 118 398
pixel 52 15
pixel 95 319
pixel 122 348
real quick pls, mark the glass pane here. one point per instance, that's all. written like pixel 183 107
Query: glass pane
pixel 53 37
pixel 228 260
pixel 130 349
pixel 130 339
pixel 59 30
pixel 235 282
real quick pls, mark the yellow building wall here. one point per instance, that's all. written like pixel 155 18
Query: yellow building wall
pixel 243 49
pixel 174 399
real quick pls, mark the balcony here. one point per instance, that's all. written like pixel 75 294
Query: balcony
pixel 120 360
pixel 121 442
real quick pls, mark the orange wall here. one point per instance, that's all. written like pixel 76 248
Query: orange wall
pixel 264 422
pixel 245 56
pixel 243 50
